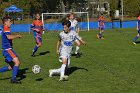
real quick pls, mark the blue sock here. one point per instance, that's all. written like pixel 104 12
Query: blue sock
pixel 135 39
pixel 14 73
pixel 34 50
pixel 4 69
pixel 100 35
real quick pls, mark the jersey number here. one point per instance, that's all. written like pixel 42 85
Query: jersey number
pixel 68 43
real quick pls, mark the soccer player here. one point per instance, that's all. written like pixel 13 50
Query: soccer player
pixel 138 28
pixel 64 49
pixel 101 27
pixel 38 29
pixel 10 55
pixel 75 27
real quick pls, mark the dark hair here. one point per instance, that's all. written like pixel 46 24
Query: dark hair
pixel 66 22
pixel 4 19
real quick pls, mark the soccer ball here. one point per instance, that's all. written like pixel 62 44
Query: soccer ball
pixel 36 69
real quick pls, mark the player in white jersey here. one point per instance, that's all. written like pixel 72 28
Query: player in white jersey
pixel 64 49
pixel 75 27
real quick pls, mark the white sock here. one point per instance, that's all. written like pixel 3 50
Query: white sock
pixel 62 70
pixel 77 49
pixel 56 71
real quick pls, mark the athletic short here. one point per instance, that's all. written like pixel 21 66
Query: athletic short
pixel 63 54
pixel 101 28
pixel 9 55
pixel 38 40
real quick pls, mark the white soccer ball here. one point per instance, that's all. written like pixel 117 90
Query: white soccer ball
pixel 36 69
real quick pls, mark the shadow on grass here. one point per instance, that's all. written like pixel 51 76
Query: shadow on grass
pixel 44 53
pixel 21 74
pixel 39 79
pixel 138 42
pixel 73 69
pixel 80 54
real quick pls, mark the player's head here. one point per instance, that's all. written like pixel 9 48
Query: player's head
pixel 71 16
pixel 66 25
pixel 37 16
pixel 7 21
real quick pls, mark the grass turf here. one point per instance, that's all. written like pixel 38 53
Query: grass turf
pixel 105 66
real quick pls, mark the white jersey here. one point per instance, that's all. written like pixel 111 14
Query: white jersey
pixel 67 41
pixel 74 25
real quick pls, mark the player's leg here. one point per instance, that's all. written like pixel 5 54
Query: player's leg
pixel 38 44
pixel 102 30
pixel 54 72
pixel 5 68
pixel 63 77
pixel 77 42
pixel 13 61
pixel 15 70
pixel 99 34
pixel 136 38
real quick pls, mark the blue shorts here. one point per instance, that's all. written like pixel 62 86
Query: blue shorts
pixel 38 40
pixel 101 28
pixel 139 31
pixel 9 55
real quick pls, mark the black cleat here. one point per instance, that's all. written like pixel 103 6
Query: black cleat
pixel 32 55
pixel 15 81
pixel 77 55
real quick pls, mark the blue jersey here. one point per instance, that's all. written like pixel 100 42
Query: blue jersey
pixel 6 43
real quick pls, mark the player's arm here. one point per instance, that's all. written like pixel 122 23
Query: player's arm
pixel 137 26
pixel 33 27
pixel 58 45
pixel 10 37
pixel 80 39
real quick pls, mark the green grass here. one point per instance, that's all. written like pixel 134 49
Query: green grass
pixel 106 66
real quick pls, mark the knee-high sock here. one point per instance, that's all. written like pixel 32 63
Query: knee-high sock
pixel 56 71
pixel 4 69
pixel 62 70
pixel 14 72
pixel 77 49
pixel 35 49
pixel 135 39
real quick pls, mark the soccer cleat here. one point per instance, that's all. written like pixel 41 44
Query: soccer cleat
pixel 102 37
pixel 32 55
pixel 77 55
pixel 15 81
pixel 97 36
pixel 63 78
pixel 133 43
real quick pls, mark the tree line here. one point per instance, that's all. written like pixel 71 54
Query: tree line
pixel 131 8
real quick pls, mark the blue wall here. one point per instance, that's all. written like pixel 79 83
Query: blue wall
pixel 58 26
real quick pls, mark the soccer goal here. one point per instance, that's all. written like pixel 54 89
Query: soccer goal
pixel 52 21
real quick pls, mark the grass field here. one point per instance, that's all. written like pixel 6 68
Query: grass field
pixel 106 66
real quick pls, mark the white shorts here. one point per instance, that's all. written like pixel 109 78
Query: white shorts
pixel 64 54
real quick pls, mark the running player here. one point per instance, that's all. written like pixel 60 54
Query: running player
pixel 75 27
pixel 138 28
pixel 101 27
pixel 11 57
pixel 64 49
pixel 38 29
